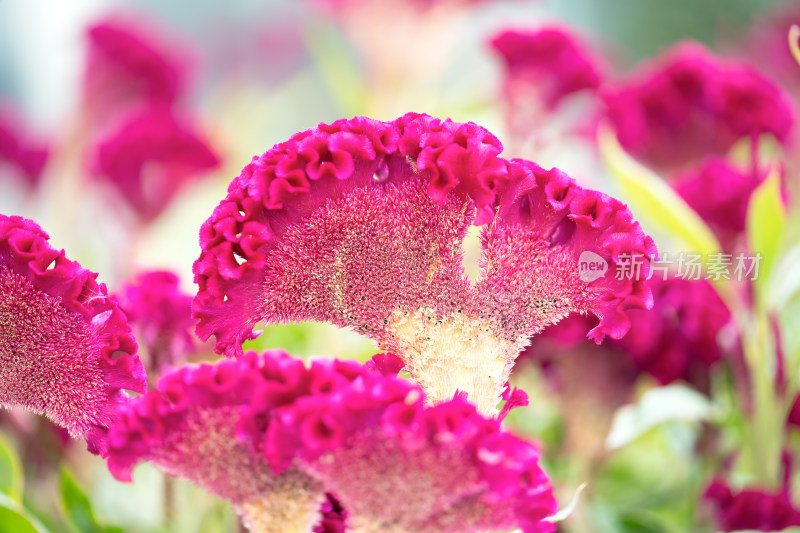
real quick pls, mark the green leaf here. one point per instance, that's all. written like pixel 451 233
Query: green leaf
pixel 12 478
pixel 657 406
pixel 766 222
pixel 76 506
pixel 16 519
pixel 652 199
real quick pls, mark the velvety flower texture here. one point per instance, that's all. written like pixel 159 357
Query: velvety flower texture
pixel 27 158
pixel 688 103
pixel 161 316
pixel 189 427
pixel 680 338
pixel 129 63
pixel 550 61
pixel 398 466
pixel 359 223
pixel 751 508
pixel 150 155
pixel 719 192
pixel 66 350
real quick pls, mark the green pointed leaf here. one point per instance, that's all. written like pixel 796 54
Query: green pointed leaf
pixel 766 222
pixel 16 519
pixel 12 479
pixel 652 199
pixel 76 506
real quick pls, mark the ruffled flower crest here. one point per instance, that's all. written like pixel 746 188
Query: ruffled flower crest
pixel 66 349
pixel 443 468
pixel 191 426
pixel 360 223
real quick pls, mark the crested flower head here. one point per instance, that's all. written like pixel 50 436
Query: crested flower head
pixel 128 64
pixel 66 350
pixel 399 466
pixel 360 223
pixel 688 103
pixel 151 154
pixel 189 427
pixel 25 158
pixel 750 508
pixel 550 60
pixel 161 316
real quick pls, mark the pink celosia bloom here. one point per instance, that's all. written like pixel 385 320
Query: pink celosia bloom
pixel 550 63
pixel 129 63
pixel 751 508
pixel 151 154
pixel 720 193
pixel 189 428
pixel 680 338
pixel 26 158
pixel 688 103
pixel 359 223
pixel 398 466
pixel 66 350
pixel 161 316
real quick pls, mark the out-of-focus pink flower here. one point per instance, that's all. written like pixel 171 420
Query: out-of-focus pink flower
pixel 66 350
pixel 130 63
pixel 683 335
pixel 191 427
pixel 359 223
pixel 26 157
pixel 680 338
pixel 687 104
pixel 720 193
pixel 397 465
pixel 161 317
pixel 149 156
pixel 547 64
pixel 751 508
pixel 334 517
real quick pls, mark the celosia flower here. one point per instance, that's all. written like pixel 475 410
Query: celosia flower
pixel 720 193
pixel 16 149
pixel 688 103
pixel 150 156
pixel 398 466
pixel 751 508
pixel 66 350
pixel 189 427
pixel 161 316
pixel 549 64
pixel 129 63
pixel 359 223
